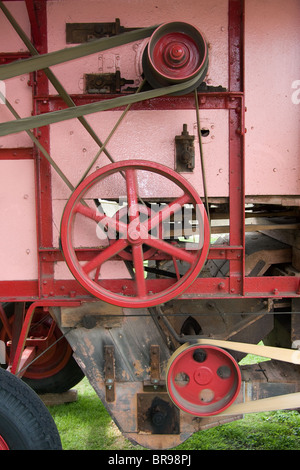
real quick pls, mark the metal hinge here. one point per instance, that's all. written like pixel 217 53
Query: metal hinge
pixel 77 33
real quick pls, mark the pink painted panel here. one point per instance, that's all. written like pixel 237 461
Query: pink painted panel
pixel 18 93
pixel 148 135
pixel 18 240
pixel 272 65
pixel 9 40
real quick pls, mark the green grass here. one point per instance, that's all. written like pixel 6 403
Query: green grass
pixel 86 425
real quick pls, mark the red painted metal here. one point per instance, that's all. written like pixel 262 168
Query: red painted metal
pixel 35 27
pixel 213 100
pixel 236 147
pixel 15 367
pixel 3 445
pixel 175 56
pixel 43 341
pixel 203 380
pixel 16 153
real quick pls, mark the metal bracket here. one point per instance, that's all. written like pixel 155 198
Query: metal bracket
pixel 109 371
pixel 106 83
pixel 77 33
pixel 154 383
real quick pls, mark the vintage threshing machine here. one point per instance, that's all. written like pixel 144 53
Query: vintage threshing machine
pixel 149 208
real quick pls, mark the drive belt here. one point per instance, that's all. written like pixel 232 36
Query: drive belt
pixel 281 402
pixel 83 110
pixel 43 61
pixel 53 58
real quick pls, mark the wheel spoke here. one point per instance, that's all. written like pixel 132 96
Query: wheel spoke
pixel 132 194
pixel 172 250
pixel 137 254
pixel 176 268
pixel 95 215
pixel 105 255
pixel 167 211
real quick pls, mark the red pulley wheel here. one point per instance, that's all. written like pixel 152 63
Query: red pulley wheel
pixel 203 380
pixel 115 270
pixel 176 52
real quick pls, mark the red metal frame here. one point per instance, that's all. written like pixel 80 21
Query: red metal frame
pixel 46 288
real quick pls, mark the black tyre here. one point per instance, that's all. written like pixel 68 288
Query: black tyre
pixel 25 422
pixel 60 382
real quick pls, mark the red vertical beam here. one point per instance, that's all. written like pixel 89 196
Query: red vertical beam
pixel 236 144
pixel 43 168
pixel 35 29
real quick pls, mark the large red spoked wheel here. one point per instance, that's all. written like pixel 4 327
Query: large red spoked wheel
pixel 176 52
pixel 99 274
pixel 203 380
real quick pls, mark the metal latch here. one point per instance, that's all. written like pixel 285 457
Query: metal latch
pixel 185 151
pixel 77 33
pixel 107 83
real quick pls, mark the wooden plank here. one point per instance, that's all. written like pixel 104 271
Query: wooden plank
pixel 91 314
pixel 53 399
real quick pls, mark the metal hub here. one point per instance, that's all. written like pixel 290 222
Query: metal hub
pixel 176 56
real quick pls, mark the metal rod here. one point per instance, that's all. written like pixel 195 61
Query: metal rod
pixel 201 155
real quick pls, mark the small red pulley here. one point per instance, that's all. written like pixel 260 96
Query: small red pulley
pixel 176 52
pixel 203 380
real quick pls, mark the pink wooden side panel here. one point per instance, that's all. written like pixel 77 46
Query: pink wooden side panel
pixel 18 239
pixel 18 93
pixel 8 37
pixel 272 65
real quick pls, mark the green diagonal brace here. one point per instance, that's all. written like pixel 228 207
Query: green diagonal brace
pixel 71 113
